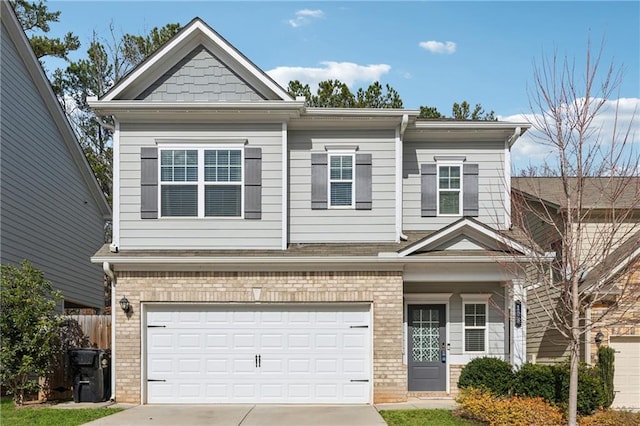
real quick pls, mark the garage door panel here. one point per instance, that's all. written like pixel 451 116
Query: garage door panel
pixel 626 380
pixel 308 354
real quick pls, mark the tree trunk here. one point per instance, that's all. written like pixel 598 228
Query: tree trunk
pixel 574 353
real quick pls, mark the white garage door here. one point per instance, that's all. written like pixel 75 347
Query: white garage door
pixel 626 378
pixel 248 354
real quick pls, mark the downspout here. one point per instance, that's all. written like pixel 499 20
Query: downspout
pixel 106 267
pixel 399 174
pixel 507 174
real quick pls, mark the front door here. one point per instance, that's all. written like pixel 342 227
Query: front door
pixel 427 353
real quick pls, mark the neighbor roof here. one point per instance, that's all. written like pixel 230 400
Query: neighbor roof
pixel 598 192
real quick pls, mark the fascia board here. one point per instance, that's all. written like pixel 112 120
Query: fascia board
pixel 104 105
pixel 40 80
pixel 352 261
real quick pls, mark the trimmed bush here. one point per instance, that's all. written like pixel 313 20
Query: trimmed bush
pixel 535 380
pixel 606 358
pixel 590 387
pixel 482 406
pixel 492 374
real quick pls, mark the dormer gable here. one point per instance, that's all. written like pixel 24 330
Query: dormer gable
pixel 467 235
pixel 197 64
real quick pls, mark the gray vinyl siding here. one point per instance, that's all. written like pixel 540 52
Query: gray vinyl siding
pixel 200 233
pixel 491 186
pixel 200 76
pixel 498 333
pixel 342 225
pixel 544 343
pixel 48 214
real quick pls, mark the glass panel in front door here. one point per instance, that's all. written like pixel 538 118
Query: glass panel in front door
pixel 426 335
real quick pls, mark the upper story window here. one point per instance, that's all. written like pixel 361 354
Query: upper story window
pixel 449 187
pixel 449 190
pixel 201 182
pixel 341 180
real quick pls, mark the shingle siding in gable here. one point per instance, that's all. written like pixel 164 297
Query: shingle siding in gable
pixel 200 76
pixel 48 214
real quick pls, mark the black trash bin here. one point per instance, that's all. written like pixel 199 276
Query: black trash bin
pixel 91 380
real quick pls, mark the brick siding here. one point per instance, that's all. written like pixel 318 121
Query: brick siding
pixel 384 289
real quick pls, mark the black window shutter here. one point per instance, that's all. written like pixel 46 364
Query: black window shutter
pixel 253 183
pixel 319 181
pixel 429 190
pixel 363 182
pixel 470 190
pixel 149 183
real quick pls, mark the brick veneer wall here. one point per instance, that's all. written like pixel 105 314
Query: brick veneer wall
pixel 384 289
pixel 624 321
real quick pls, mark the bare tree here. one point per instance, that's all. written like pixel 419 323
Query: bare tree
pixel 585 207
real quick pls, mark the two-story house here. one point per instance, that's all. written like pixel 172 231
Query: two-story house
pixel 608 257
pixel 52 211
pixel 271 252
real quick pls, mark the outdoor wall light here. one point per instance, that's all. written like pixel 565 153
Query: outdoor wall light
pixel 124 304
pixel 599 337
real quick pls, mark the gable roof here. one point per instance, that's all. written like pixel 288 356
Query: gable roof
pixel 482 234
pixel 195 33
pixel 40 80
pixel 617 263
pixel 598 192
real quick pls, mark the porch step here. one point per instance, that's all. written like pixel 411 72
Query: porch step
pixel 430 395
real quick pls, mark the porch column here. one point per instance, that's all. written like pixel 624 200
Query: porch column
pixel 518 322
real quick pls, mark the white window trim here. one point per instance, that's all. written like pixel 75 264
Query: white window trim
pixel 342 153
pixel 460 197
pixel 475 299
pixel 201 183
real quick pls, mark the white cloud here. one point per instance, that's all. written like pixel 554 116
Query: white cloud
pixel 532 149
pixel 433 46
pixel 304 16
pixel 347 72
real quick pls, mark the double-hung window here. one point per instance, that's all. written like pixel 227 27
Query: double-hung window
pixel 449 189
pixel 201 182
pixel 475 312
pixel 341 180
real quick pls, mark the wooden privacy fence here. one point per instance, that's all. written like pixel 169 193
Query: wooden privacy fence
pixel 97 328
pixel 79 331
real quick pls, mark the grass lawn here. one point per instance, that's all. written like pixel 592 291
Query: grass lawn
pixel 36 415
pixel 422 418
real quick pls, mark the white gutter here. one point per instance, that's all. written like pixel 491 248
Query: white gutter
pixel 101 105
pixel 285 188
pixel 106 267
pixel 470 124
pixel 399 169
pixel 383 258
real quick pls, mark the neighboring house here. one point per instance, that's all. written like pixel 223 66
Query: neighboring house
pixel 261 244
pixel 619 295
pixel 52 210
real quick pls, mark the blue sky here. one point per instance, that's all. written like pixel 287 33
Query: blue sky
pixel 432 53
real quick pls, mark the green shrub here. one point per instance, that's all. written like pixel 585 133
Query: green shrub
pixel 535 380
pixel 590 387
pixel 482 406
pixel 492 374
pixel 606 358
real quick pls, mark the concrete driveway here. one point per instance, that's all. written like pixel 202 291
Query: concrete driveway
pixel 245 415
